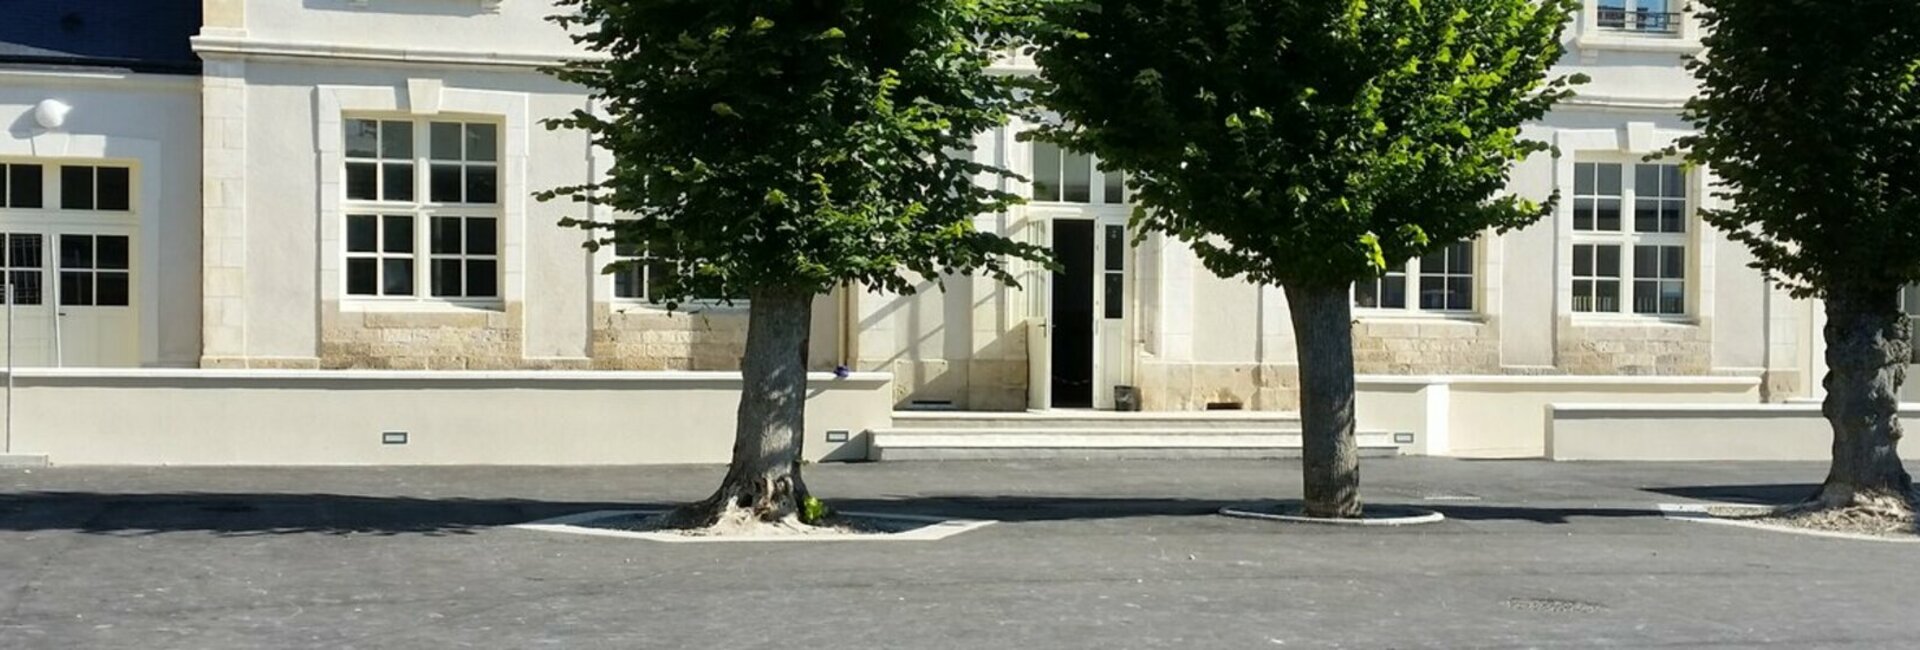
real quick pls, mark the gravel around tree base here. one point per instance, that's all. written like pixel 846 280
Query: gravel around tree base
pixel 1876 519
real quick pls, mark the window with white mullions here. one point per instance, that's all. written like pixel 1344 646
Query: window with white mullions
pixel 23 258
pixel 466 257
pixel 1632 265
pixel 380 255
pixel 20 186
pixel 1441 281
pixel 90 187
pixel 95 270
pixel 422 217
pixel 1640 16
pixel 1061 176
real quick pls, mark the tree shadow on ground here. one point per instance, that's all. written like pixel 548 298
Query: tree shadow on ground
pixel 248 514
pixel 1771 494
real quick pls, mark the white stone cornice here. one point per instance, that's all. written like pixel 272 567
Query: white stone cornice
pixel 116 80
pixel 216 46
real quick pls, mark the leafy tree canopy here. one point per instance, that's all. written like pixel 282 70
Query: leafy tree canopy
pixel 1810 115
pixel 795 144
pixel 1308 141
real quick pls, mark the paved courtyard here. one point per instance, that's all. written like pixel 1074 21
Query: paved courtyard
pixel 1088 555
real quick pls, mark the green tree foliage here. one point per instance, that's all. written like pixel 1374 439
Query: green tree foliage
pixel 1308 143
pixel 776 149
pixel 1809 114
pixel 795 143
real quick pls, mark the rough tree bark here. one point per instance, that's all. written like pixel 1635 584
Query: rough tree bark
pixel 763 480
pixel 1868 346
pixel 1323 326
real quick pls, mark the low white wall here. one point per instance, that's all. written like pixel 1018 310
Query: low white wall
pixel 1698 432
pixel 1505 416
pixel 296 417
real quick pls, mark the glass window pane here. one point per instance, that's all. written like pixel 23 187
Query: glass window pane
pixel 1606 295
pixel 23 181
pixel 1606 261
pixel 1673 262
pixel 1645 297
pixel 1433 292
pixel 25 251
pixel 1046 172
pixel 1393 291
pixel 626 281
pixel 110 252
pixel 1583 175
pixel 1646 215
pixel 660 280
pixel 1116 302
pixel 1078 181
pixel 483 279
pixel 1646 261
pixel 1116 247
pixel 1607 215
pixel 3 185
pixel 1609 181
pixel 363 138
pixel 1673 297
pixel 363 181
pixel 481 186
pixel 396 277
pixel 483 142
pixel 112 290
pixel 115 188
pixel 76 187
pixel 363 233
pixel 1116 186
pixel 1583 295
pixel 76 288
pixel 483 235
pixel 1366 293
pixel 1583 260
pixel 363 277
pixel 446 140
pixel 398 181
pixel 446 236
pixel 1460 258
pixel 398 234
pixel 76 251
pixel 26 287
pixel 1583 214
pixel 446 183
pixel 396 139
pixel 1674 182
pixel 1646 180
pixel 1460 294
pixel 446 278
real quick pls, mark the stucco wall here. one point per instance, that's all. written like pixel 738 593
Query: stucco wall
pixel 269 417
pixel 1698 432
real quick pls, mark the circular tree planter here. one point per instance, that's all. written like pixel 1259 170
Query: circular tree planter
pixel 1372 515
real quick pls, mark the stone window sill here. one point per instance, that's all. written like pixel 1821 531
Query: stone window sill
pixel 1624 42
pixel 1415 317
pixel 1630 320
pixel 424 306
pixel 699 307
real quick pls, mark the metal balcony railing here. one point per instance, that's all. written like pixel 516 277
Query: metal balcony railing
pixel 1641 22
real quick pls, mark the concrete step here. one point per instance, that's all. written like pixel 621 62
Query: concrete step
pixel 1011 444
pixel 1082 420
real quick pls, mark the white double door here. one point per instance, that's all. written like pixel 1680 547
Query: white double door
pixel 74 295
pixel 1080 328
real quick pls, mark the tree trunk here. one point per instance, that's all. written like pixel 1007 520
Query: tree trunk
pixel 763 480
pixel 1323 328
pixel 1868 347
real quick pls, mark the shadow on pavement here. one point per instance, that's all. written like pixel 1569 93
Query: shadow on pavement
pixel 244 514
pixel 1759 493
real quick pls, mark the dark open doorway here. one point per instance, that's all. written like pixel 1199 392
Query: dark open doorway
pixel 1072 318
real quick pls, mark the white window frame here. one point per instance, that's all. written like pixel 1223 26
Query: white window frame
pixel 640 268
pixel 1629 239
pixel 1103 187
pixel 424 211
pixel 1413 271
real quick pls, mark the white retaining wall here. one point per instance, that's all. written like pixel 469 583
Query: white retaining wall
pixel 1698 432
pixel 1505 416
pixel 294 417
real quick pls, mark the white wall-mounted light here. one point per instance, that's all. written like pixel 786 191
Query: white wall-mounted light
pixel 51 113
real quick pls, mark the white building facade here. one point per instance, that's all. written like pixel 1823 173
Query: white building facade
pixel 346 184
